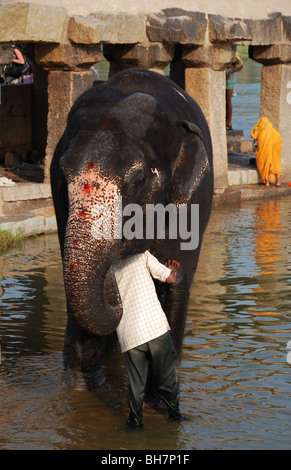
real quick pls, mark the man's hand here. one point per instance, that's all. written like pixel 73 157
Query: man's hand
pixel 174 266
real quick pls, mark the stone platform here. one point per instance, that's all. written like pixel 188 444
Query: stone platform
pixel 249 192
pixel 25 204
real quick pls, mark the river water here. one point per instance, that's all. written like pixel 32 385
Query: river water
pixel 235 375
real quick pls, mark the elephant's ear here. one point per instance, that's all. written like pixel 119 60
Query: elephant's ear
pixel 191 166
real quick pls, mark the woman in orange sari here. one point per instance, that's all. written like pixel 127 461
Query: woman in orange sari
pixel 268 151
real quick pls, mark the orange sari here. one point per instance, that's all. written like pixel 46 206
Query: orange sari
pixel 268 149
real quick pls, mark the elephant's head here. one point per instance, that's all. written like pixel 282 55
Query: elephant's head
pixel 118 147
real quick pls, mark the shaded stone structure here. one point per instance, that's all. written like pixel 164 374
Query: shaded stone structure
pixel 65 40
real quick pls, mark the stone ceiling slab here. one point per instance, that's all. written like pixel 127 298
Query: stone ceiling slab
pixel 121 28
pixel 21 21
pixel 222 29
pixel 177 26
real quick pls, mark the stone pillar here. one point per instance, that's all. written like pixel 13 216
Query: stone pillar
pixel 275 101
pixel 205 82
pixel 63 90
pixel 152 56
pixel 68 77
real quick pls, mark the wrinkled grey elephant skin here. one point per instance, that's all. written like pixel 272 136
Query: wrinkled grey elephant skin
pixel 141 138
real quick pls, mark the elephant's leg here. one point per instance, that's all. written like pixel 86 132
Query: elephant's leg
pixel 82 357
pixel 175 306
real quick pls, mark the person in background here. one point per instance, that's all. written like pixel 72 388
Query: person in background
pixel 17 55
pixel 144 333
pixel 268 151
pixel 18 71
pixel 235 66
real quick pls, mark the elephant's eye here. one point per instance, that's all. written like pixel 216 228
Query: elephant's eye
pixel 135 181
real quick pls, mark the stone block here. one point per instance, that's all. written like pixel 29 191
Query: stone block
pixel 213 56
pixel 121 28
pixel 287 27
pixel 246 146
pixel 174 25
pixel 222 29
pixel 29 225
pixel 6 54
pixel 67 56
pixel 266 31
pixel 50 224
pixel 238 175
pixel 271 55
pixel 25 192
pixel 233 147
pixel 236 135
pixel 21 21
pixel 150 56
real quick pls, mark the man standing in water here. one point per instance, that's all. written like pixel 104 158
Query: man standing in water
pixel 144 333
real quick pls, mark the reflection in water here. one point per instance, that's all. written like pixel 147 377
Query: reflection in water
pixel 235 379
pixel 267 254
pixel 266 237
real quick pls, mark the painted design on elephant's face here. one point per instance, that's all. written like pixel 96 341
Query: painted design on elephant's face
pixel 105 123
pixel 90 187
pixel 86 187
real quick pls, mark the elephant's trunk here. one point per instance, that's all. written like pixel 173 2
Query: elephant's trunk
pixel 91 289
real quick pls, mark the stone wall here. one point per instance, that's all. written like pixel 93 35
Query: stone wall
pixel 195 42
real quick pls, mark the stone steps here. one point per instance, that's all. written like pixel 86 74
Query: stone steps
pixel 27 207
pixel 241 159
pixel 242 174
pixel 31 223
pixel 236 142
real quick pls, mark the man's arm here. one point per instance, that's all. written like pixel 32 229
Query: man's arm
pixel 174 266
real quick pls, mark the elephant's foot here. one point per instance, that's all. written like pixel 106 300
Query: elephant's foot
pixel 78 380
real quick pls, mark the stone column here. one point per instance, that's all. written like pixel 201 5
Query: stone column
pixel 275 100
pixel 151 56
pixel 68 77
pixel 204 77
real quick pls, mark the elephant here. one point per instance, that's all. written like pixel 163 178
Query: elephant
pixel 137 140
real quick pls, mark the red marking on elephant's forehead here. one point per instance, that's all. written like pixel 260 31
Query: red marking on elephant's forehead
pixel 90 165
pixel 75 241
pixel 105 123
pixel 83 214
pixel 102 188
pixel 184 160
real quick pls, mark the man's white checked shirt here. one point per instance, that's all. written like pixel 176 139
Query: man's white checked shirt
pixel 143 317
